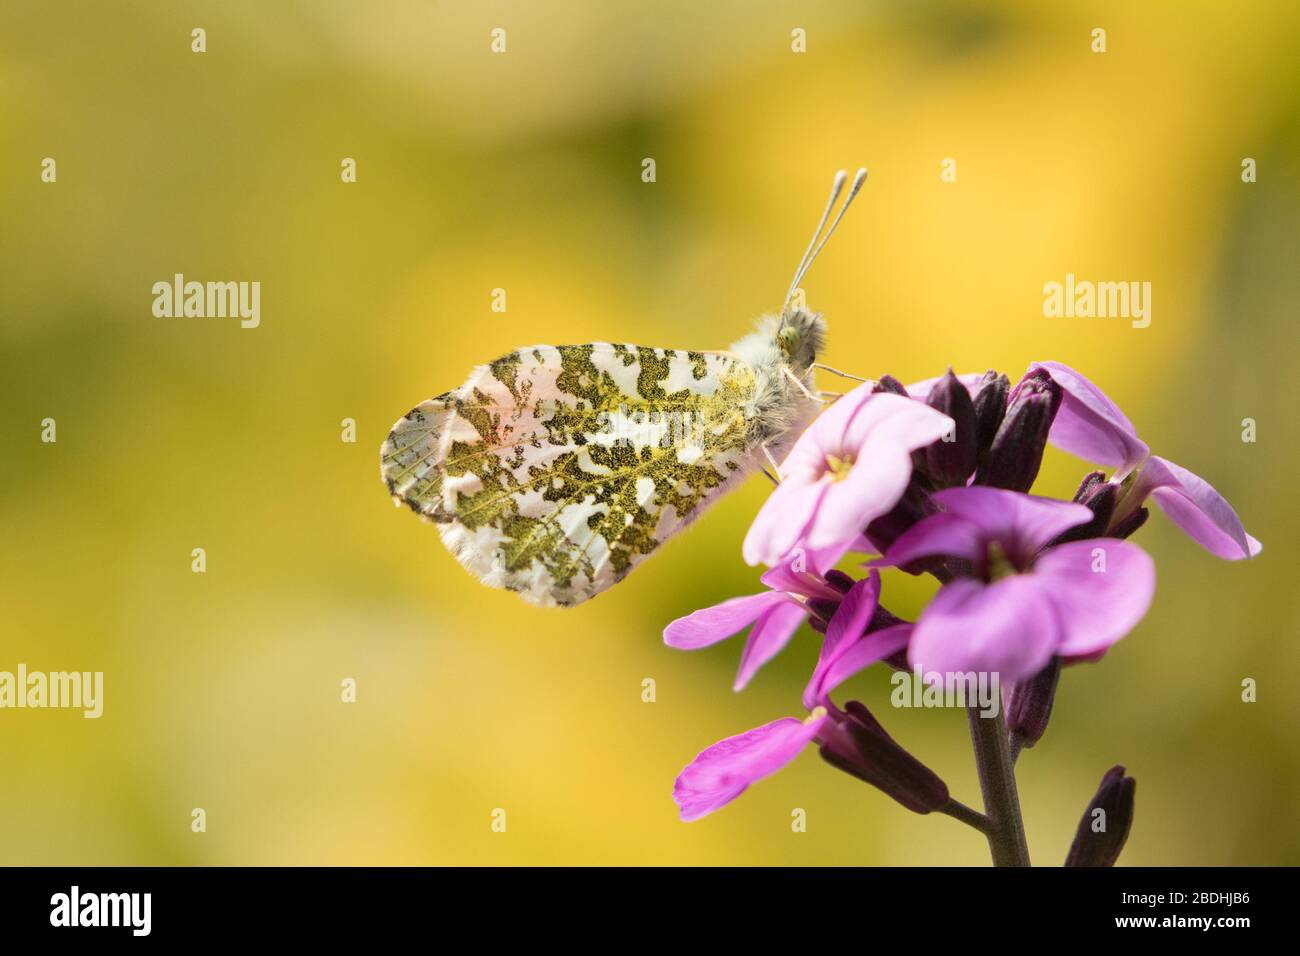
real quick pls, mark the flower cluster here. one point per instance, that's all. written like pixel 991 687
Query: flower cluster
pixel 935 478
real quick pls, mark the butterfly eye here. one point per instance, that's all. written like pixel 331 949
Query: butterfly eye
pixel 788 338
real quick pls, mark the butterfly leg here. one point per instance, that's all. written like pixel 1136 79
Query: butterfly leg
pixel 771 461
pixel 835 371
pixel 801 386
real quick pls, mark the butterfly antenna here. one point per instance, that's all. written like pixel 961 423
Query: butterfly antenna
pixel 815 247
pixel 837 187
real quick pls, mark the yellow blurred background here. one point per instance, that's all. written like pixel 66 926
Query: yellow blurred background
pixel 522 171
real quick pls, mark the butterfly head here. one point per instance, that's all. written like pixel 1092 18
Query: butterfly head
pixel 800 337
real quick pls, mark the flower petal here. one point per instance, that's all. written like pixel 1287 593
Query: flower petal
pixel 1100 587
pixel 894 420
pixel 850 620
pixel 807 458
pixel 870 489
pixel 1008 628
pixel 1014 519
pixel 1192 503
pixel 712 624
pixel 822 560
pixel 771 633
pixel 722 772
pixel 847 624
pixel 1089 424
pixel 945 534
pixel 856 656
pixel 798 577
pixel 780 523
pixel 880 440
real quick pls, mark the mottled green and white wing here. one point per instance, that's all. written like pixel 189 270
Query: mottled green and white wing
pixel 555 470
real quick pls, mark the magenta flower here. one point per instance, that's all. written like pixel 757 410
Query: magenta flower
pixel 850 739
pixel 772 616
pixel 1091 426
pixel 721 773
pixel 849 467
pixel 1019 602
pixel 855 639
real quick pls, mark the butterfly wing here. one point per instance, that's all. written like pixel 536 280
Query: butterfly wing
pixel 555 470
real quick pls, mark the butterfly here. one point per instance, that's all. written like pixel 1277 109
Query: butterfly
pixel 555 470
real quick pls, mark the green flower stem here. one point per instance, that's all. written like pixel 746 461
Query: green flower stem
pixel 1006 830
pixel 973 818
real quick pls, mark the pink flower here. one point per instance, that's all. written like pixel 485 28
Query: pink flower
pixel 774 615
pixel 849 467
pixel 1091 426
pixel 856 638
pixel 1019 601
pixel 721 773
pixel 850 739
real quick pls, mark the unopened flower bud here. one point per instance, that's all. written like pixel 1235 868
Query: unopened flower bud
pixel 838 580
pixel 1030 705
pixel 890 384
pixel 990 404
pixel 1017 449
pixel 1100 496
pixel 951 459
pixel 911 508
pixel 881 619
pixel 1088 487
pixel 823 608
pixel 1127 526
pixel 1105 825
pixel 857 744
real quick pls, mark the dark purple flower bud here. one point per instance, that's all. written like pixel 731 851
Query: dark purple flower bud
pixel 990 404
pixel 1088 487
pixel 951 459
pixel 823 608
pixel 839 580
pixel 898 661
pixel 1030 705
pixel 1017 449
pixel 890 384
pixel 1100 496
pixel 1127 526
pixel 881 618
pixel 1105 825
pixel 911 508
pixel 817 624
pixel 858 745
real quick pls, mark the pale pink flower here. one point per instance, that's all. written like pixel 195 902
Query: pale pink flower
pixel 849 467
